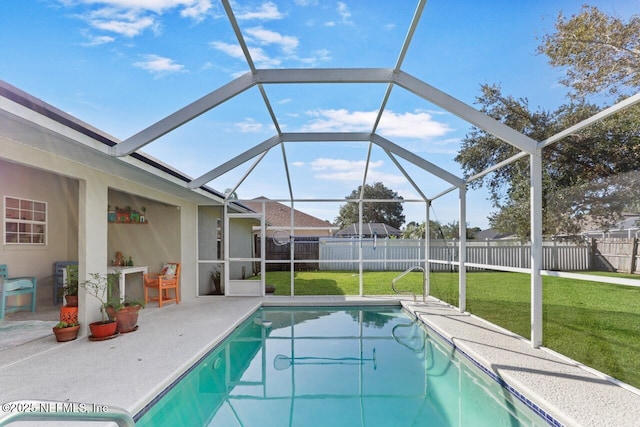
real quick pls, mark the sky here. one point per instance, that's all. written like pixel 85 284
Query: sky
pixel 122 65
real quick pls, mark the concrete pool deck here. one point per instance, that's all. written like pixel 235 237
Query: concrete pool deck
pixel 130 370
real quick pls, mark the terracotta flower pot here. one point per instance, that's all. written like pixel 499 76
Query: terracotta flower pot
pixel 103 329
pixel 69 314
pixel 127 318
pixel 66 334
pixel 72 300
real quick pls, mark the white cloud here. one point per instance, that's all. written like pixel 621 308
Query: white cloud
pixel 322 163
pixel 231 49
pixel 159 65
pixel 157 6
pixel 196 11
pixel 249 126
pixel 131 18
pixel 258 55
pixel 321 55
pixel 416 125
pixel 352 171
pixel 340 121
pixel 262 36
pixel 128 23
pixel 344 12
pixel 262 59
pixel 98 40
pixel 266 12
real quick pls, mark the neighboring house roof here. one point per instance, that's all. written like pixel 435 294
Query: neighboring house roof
pixel 369 229
pixel 279 215
pixel 630 223
pixel 492 234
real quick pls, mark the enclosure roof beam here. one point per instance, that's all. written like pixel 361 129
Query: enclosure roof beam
pixel 324 75
pixel 403 53
pixel 183 115
pixel 626 103
pixel 465 112
pixel 406 175
pixel 286 170
pixel 366 170
pixel 443 193
pixel 326 137
pixel 235 162
pixel 417 160
pixel 236 30
pixel 247 173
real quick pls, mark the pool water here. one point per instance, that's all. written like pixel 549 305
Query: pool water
pixel 336 367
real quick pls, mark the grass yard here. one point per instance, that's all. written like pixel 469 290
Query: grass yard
pixel 597 324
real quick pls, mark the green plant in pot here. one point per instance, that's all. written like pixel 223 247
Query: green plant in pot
pixel 214 274
pixel 125 314
pixel 66 331
pixel 70 291
pixel 98 287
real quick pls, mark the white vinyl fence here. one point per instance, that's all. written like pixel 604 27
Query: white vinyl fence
pixel 401 254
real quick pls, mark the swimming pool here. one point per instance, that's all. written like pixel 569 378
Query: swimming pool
pixel 363 366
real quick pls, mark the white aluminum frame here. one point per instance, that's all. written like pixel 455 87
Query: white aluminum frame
pixel 391 77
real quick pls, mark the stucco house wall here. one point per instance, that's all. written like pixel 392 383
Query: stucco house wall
pixel 61 195
pixel 79 198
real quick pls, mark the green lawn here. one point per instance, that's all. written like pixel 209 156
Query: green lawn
pixel 597 324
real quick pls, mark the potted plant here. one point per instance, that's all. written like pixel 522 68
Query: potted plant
pixel 66 331
pixel 214 275
pixel 125 314
pixel 70 291
pixel 98 287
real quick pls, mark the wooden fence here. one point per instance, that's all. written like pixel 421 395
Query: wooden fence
pixel 615 255
pixel 279 256
pixel 327 253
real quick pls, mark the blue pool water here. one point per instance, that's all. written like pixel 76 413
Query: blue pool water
pixel 336 367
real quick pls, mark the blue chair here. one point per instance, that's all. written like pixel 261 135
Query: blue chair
pixel 10 286
pixel 58 279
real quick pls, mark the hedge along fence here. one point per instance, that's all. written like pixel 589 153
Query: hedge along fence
pixel 326 253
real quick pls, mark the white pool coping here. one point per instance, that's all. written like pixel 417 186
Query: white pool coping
pixel 571 393
pixel 130 370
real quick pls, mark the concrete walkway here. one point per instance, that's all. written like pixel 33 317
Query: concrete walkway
pixel 571 394
pixel 130 370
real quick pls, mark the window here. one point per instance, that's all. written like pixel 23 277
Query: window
pixel 25 221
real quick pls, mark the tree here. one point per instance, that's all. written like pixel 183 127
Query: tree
pixel 413 230
pixel 229 194
pixel 589 176
pixel 600 52
pixel 386 212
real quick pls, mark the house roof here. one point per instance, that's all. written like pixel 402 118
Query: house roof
pixel 493 234
pixel 279 215
pixel 83 143
pixel 369 229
